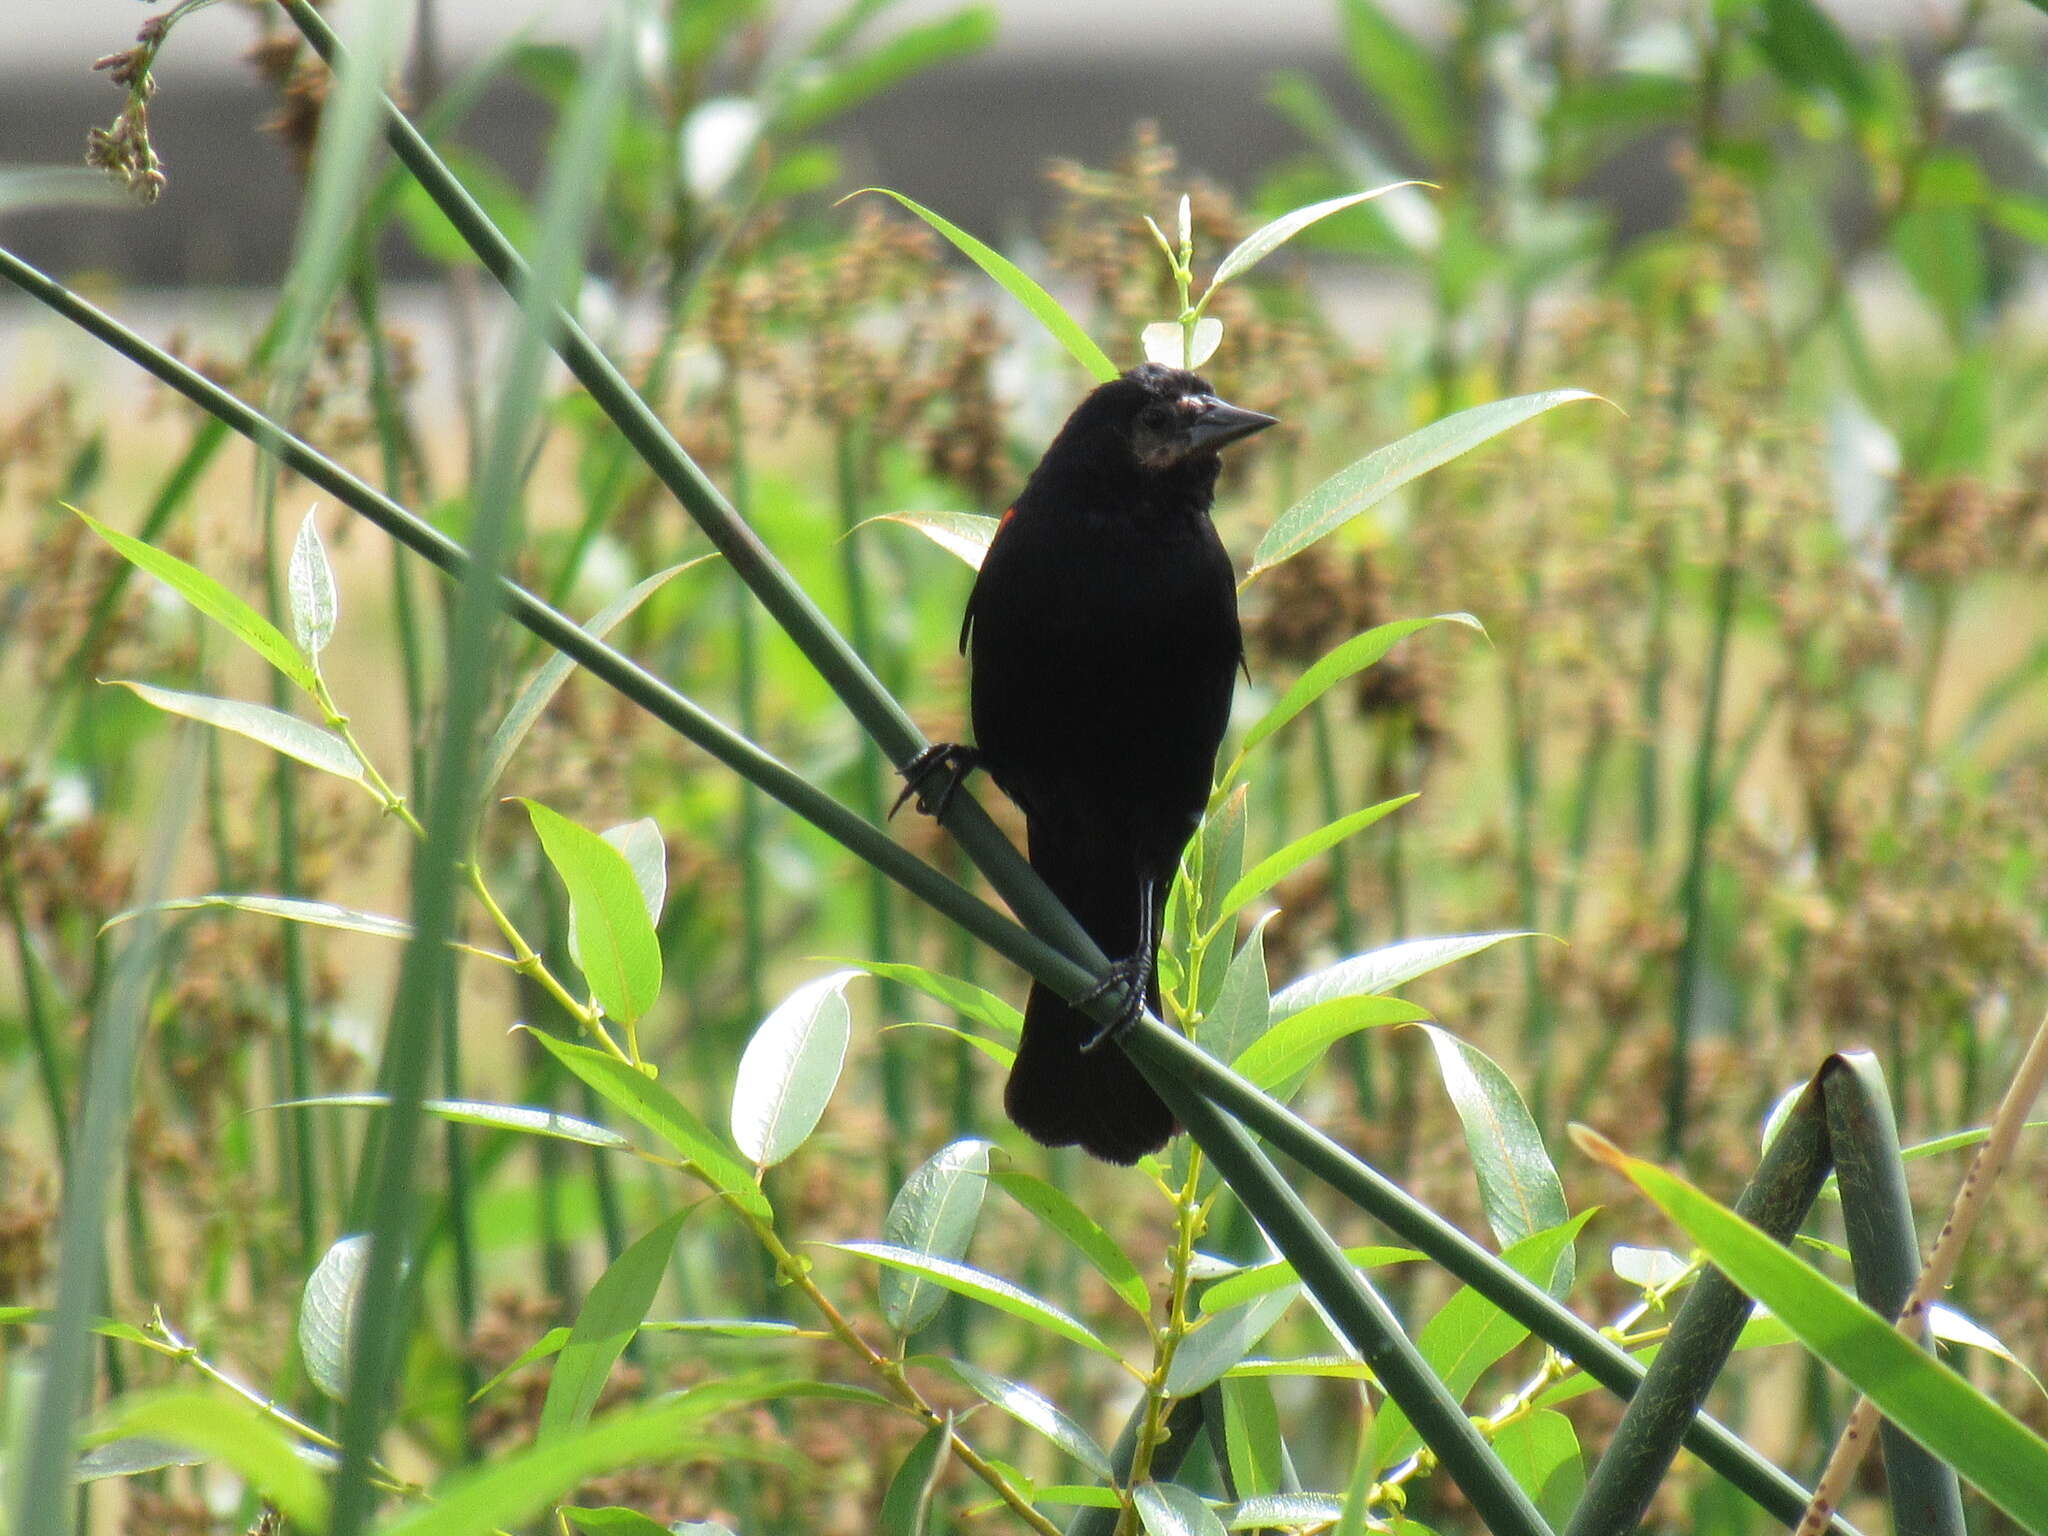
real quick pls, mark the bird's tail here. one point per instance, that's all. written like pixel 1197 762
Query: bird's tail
pixel 1059 1096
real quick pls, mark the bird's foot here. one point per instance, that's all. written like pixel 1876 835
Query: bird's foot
pixel 1130 977
pixel 951 759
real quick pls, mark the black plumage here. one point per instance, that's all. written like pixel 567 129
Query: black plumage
pixel 1104 645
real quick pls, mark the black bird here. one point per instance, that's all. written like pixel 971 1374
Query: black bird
pixel 1105 645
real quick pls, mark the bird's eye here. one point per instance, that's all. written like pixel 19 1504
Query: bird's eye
pixel 1155 415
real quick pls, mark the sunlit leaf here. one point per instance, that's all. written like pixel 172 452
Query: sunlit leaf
pixel 1027 1406
pixel 1261 243
pixel 1518 1187
pixel 990 1290
pixel 1056 1208
pixel 611 1313
pixel 328 1314
pixel 309 586
pixel 933 1214
pixel 789 1069
pixel 964 534
pixel 615 940
pixel 313 745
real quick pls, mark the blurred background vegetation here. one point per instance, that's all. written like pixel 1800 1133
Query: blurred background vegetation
pixel 1757 735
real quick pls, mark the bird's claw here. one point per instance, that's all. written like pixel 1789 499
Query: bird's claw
pixel 1132 974
pixel 951 758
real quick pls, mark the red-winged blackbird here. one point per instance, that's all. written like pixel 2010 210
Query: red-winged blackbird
pixel 1105 646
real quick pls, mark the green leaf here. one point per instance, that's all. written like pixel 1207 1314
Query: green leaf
pixel 614 1520
pixel 498 1117
pixel 1258 1279
pixel 1353 656
pixel 514 1488
pixel 933 1214
pixel 1043 306
pixel 551 1342
pixel 1378 970
pixel 977 1003
pixel 789 1069
pixel 1282 1057
pixel 611 1313
pixel 615 940
pixel 1518 1187
pixel 309 583
pixel 1167 1509
pixel 1221 1339
pixel 1806 49
pixel 1251 1436
pixel 1403 76
pixel 1003 1056
pixel 1541 1452
pixel 837 87
pixel 211 599
pixel 228 1430
pixel 1986 1445
pixel 1469 1334
pixel 990 1290
pixel 295 738
pixel 1942 250
pixel 1277 866
pixel 1379 474
pixel 1239 1015
pixel 328 1313
pixel 133 1454
pixel 1261 243
pixel 1026 1407
pixel 965 534
pixel 907 1502
pixel 1265 1511
pixel 548 678
pixel 639 1097
pixel 1053 1206
pixel 646 855
pixel 321 914
pixel 1219 853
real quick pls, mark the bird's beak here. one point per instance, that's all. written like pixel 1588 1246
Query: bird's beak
pixel 1221 423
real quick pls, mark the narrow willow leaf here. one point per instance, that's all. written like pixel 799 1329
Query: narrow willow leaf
pixel 1261 243
pixel 1221 1339
pixel 310 744
pixel 1043 306
pixel 611 1313
pixel 1027 1407
pixel 990 1290
pixel 640 844
pixel 1380 969
pixel 1269 1511
pixel 934 1214
pixel 977 1003
pixel 551 1342
pixel 328 1310
pixel 639 1097
pixel 133 1454
pixel 1053 1206
pixel 1275 867
pixel 230 1431
pixel 1986 1445
pixel 1168 1509
pixel 1219 852
pixel 321 914
pixel 907 1502
pixel 1253 1446
pixel 1379 474
pixel 1280 1059
pixel 790 1068
pixel 1953 1327
pixel 1647 1269
pixel 498 1117
pixel 615 940
pixel 614 1520
pixel 1469 1334
pixel 547 679
pixel 211 599
pixel 309 585
pixel 1353 656
pixel 1003 1056
pixel 1242 1009
pixel 1257 1279
pixel 1518 1187
pixel 1321 1367
pixel 965 534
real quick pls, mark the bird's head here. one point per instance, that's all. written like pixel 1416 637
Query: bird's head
pixel 1167 417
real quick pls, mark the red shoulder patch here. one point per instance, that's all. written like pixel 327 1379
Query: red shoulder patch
pixel 1004 521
